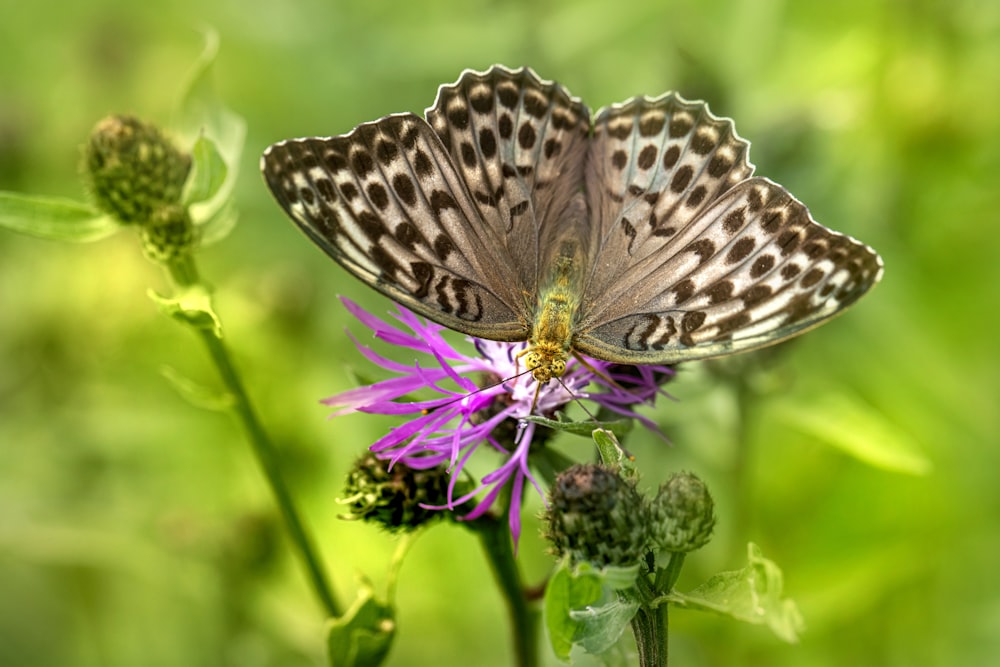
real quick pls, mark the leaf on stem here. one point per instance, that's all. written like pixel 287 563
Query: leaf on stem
pixel 618 427
pixel 198 394
pixel 611 451
pixel 193 306
pixel 208 172
pixel 362 636
pixel 752 594
pixel 54 218
pixel 583 609
pixel 202 118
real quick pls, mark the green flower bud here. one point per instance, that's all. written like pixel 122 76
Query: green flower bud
pixel 393 498
pixel 168 233
pixel 597 516
pixel 682 514
pixel 132 169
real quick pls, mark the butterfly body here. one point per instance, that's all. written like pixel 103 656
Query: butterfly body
pixel 638 235
pixel 551 340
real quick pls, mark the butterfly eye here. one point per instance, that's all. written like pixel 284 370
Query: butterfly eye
pixel 532 359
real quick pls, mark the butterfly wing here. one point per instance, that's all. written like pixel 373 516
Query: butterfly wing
pixel 697 259
pixel 519 142
pixel 387 203
pixel 445 219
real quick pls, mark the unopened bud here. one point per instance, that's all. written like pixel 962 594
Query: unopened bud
pixel 133 169
pixel 596 516
pixel 168 233
pixel 682 515
pixel 396 497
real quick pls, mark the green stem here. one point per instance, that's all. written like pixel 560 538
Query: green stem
pixel 524 617
pixel 185 274
pixel 743 456
pixel 649 626
pixel 667 576
pixel 183 270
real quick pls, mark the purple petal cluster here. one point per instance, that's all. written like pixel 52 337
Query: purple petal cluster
pixel 464 417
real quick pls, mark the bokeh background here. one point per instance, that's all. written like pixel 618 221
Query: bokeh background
pixel 863 458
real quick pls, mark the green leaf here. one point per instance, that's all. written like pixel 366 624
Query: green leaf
pixel 198 394
pixel 363 636
pixel 208 172
pixel 582 608
pixel 618 578
pixel 610 449
pixel 619 427
pixel 565 592
pixel 54 218
pixel 219 224
pixel 753 594
pixel 202 116
pixel 602 626
pixel 192 306
pixel 859 430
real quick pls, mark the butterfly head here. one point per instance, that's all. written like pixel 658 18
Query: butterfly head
pixel 545 361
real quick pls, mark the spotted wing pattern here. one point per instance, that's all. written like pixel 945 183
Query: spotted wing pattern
pixel 520 145
pixel 697 258
pixel 752 270
pixel 685 255
pixel 445 215
pixel 653 168
pixel 387 203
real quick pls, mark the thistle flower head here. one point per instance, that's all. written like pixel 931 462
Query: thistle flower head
pixel 595 515
pixel 168 233
pixel 133 169
pixel 682 514
pixel 396 497
pixel 466 419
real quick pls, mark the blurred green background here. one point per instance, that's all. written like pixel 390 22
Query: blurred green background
pixel 135 528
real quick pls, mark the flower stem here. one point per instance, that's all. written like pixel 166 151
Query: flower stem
pixel 649 626
pixel 667 577
pixel 183 270
pixel 743 457
pixel 524 617
pixel 185 274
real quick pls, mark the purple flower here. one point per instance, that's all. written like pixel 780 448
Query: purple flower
pixel 466 417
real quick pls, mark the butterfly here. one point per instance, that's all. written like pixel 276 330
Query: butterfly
pixel 637 236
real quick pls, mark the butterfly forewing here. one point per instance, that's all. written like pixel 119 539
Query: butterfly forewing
pixel 386 202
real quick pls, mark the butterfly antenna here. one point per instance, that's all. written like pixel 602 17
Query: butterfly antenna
pixel 479 389
pixel 607 378
pixel 577 399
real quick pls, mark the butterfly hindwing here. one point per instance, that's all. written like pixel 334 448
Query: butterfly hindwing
pixel 519 143
pixel 754 269
pixel 653 166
